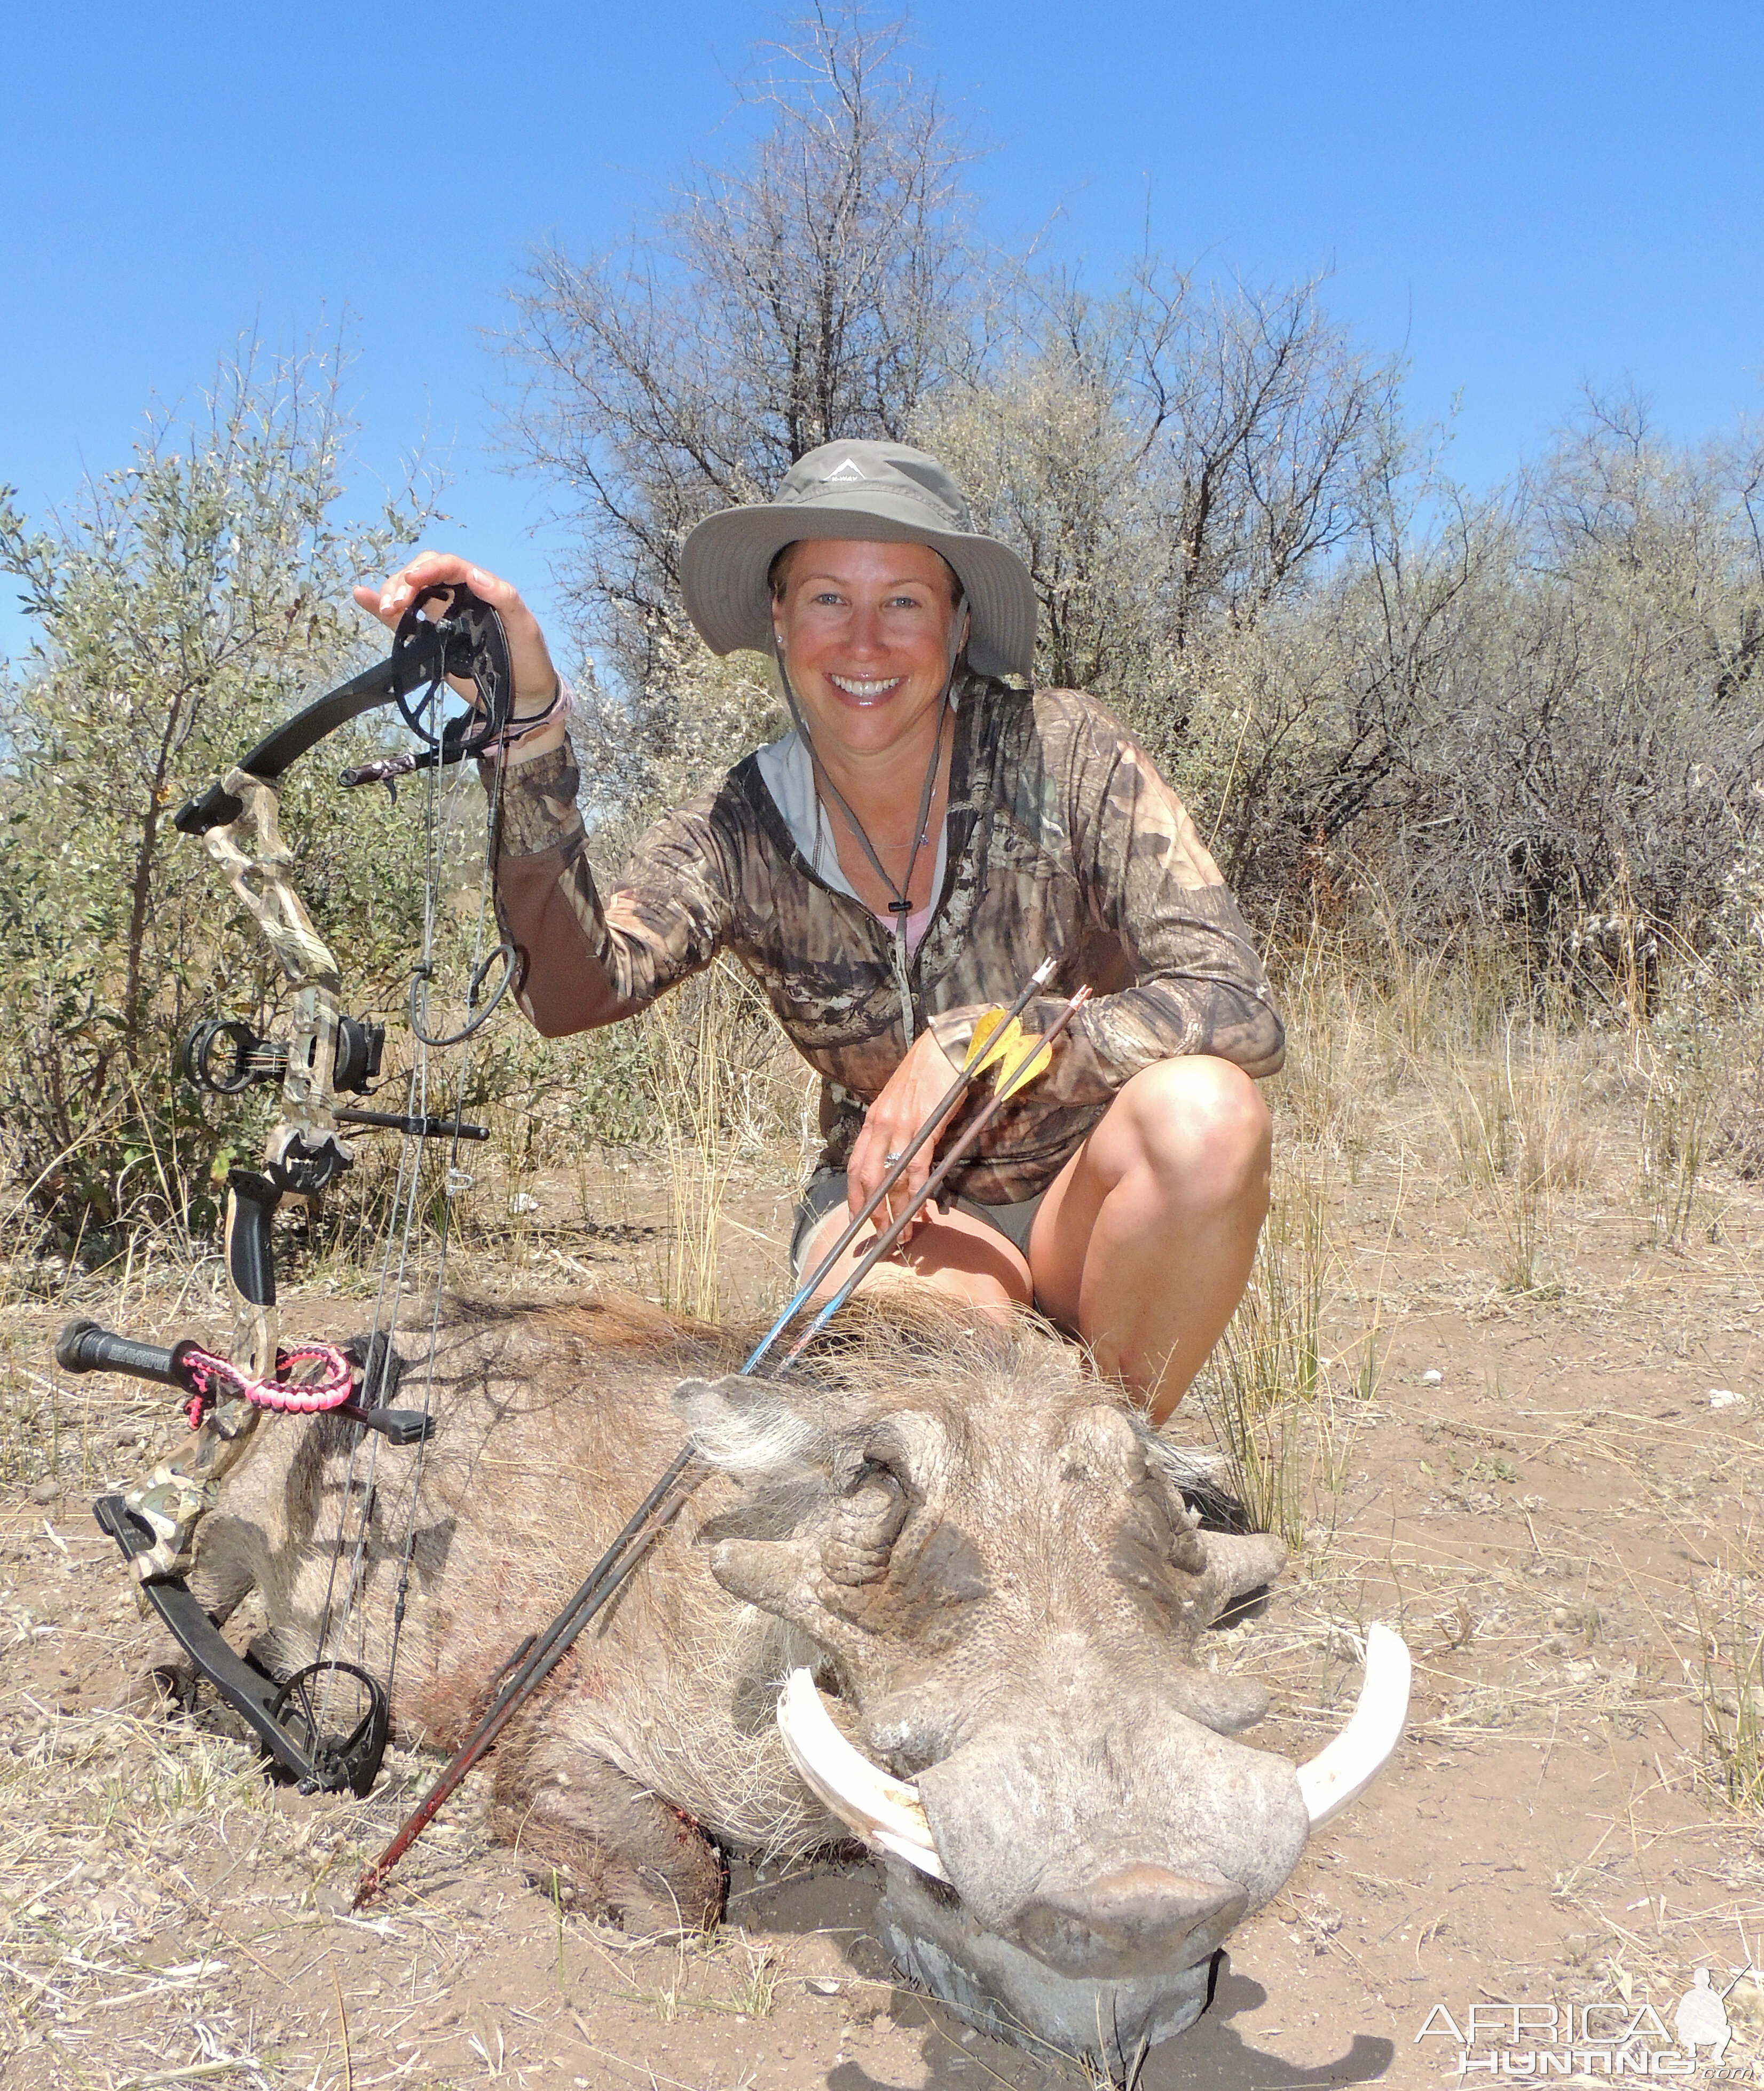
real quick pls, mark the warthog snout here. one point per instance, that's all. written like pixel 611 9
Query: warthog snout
pixel 1139 1920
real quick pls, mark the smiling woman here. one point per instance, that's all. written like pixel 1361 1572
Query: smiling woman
pixel 866 637
pixel 902 860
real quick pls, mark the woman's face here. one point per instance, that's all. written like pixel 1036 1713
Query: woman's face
pixel 866 630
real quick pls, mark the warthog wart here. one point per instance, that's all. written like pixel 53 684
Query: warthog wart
pixel 971 1565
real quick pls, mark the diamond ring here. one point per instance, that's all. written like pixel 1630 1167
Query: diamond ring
pixel 890 1159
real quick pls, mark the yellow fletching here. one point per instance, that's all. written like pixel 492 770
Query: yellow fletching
pixel 985 1024
pixel 1002 1041
pixel 1019 1057
pixel 1026 1061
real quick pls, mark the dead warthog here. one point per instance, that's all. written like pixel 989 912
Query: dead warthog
pixel 982 1558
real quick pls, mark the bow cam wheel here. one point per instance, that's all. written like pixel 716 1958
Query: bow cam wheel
pixel 338 1715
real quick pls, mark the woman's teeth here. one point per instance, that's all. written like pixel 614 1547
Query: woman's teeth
pixel 853 688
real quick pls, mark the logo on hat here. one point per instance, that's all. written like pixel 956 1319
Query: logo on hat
pixel 850 470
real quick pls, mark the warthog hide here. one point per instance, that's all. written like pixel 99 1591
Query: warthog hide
pixel 984 1559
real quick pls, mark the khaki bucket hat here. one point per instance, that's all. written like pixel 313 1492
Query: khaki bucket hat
pixel 857 490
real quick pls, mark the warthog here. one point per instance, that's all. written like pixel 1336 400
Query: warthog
pixel 982 1558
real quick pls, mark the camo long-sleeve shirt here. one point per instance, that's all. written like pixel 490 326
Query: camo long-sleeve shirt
pixel 1062 839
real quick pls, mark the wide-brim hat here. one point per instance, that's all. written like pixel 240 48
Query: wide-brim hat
pixel 884 491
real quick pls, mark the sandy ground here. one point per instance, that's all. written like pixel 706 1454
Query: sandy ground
pixel 1560 1523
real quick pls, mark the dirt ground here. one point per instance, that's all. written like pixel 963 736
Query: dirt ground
pixel 1551 1492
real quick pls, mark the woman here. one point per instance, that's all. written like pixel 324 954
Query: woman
pixel 900 861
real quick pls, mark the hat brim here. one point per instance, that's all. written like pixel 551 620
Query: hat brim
pixel 725 562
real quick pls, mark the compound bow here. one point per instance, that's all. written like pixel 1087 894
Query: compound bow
pixel 446 632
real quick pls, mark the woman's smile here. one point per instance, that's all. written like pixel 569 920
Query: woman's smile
pixel 864 690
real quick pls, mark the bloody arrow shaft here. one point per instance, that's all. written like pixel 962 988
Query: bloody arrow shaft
pixel 602 1580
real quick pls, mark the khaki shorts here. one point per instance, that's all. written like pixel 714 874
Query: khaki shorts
pixel 825 1192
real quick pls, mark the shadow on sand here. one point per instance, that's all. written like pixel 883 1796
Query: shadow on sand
pixel 1211 2053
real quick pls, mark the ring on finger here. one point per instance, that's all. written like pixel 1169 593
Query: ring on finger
pixel 890 1159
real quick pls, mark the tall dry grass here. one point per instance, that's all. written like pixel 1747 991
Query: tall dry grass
pixel 1448 1063
pixel 1730 1685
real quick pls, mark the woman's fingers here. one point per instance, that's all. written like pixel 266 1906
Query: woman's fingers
pixel 536 680
pixel 865 1168
pixel 902 1199
pixel 912 1092
pixel 392 598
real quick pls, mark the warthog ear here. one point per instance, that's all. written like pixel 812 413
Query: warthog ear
pixel 865 1527
pixel 748 1428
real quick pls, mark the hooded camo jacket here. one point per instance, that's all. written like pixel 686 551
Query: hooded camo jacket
pixel 1062 840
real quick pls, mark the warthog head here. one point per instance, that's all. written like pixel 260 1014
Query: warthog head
pixel 1012 1594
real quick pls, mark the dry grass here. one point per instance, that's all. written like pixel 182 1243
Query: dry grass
pixel 1730 1691
pixel 719 1086
pixel 1522 1134
pixel 1267 1373
pixel 1440 1153
pixel 1680 1079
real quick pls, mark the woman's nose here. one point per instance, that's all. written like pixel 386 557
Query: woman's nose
pixel 865 632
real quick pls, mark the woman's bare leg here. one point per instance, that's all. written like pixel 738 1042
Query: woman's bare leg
pixel 954 1254
pixel 1144 1240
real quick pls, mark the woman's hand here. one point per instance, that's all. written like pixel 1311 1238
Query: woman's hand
pixel 536 680
pixel 915 1089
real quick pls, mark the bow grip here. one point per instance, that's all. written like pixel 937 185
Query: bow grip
pixel 250 1255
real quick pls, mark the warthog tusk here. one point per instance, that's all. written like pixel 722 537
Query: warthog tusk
pixel 883 1810
pixel 1343 1770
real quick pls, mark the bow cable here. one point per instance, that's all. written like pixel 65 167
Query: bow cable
pixel 442 816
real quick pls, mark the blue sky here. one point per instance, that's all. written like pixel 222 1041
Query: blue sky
pixel 1525 197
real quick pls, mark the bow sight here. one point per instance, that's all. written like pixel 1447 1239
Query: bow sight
pixel 447 636
pixel 250 1058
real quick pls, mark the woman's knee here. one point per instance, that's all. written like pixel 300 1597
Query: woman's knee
pixel 1201 1128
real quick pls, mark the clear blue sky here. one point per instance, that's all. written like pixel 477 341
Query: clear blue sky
pixel 1526 196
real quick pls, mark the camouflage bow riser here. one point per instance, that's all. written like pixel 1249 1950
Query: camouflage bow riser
pixel 257 863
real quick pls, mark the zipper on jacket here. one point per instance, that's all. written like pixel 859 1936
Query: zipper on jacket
pixel 898 943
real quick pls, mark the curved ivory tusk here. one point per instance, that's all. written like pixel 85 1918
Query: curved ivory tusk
pixel 883 1810
pixel 1343 1770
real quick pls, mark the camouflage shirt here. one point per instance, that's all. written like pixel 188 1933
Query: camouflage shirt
pixel 1062 839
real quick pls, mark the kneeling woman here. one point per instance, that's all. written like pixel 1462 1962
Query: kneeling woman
pixel 902 859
